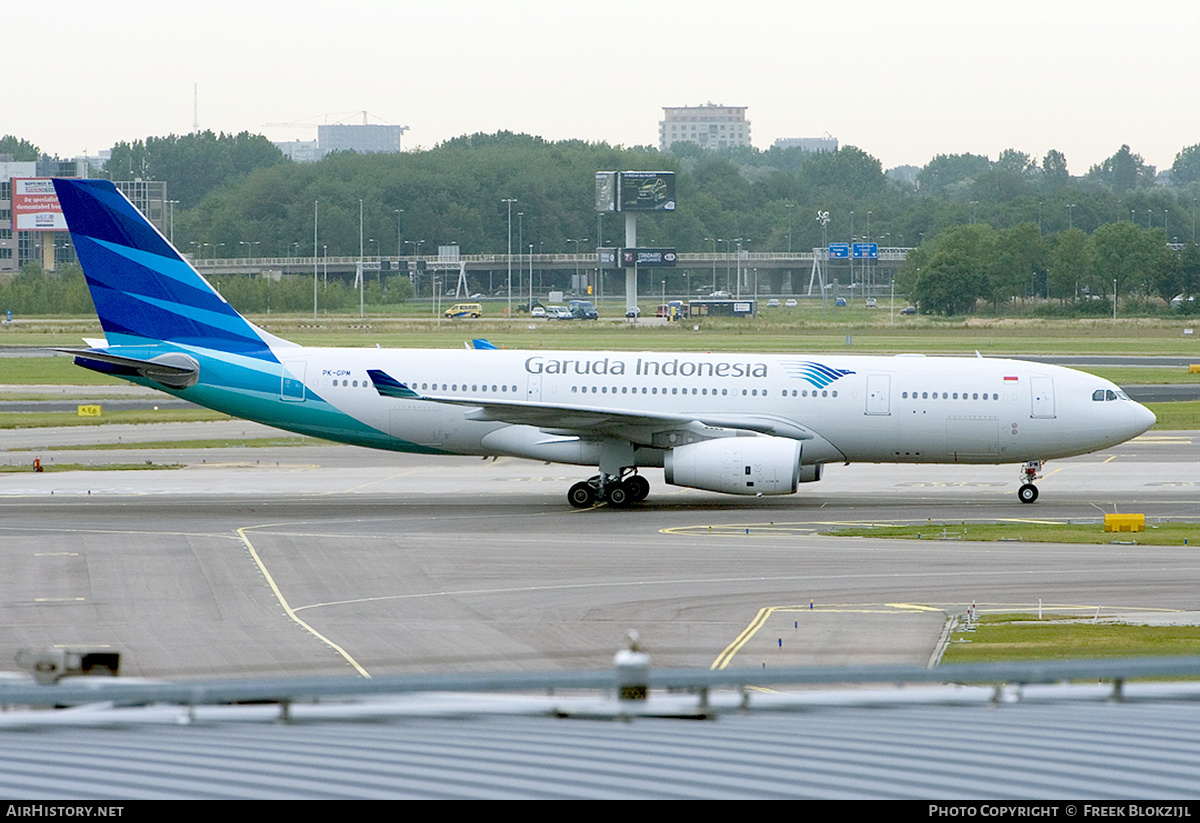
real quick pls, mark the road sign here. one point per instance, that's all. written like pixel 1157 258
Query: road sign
pixel 839 251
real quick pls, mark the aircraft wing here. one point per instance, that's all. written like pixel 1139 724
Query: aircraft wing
pixel 589 421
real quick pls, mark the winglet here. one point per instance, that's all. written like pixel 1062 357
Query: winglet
pixel 388 386
pixel 480 343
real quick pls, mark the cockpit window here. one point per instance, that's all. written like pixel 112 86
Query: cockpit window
pixel 1109 394
pixel 1098 394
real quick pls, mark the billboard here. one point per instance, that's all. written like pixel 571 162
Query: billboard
pixel 606 257
pixel 606 191
pixel 648 258
pixel 647 191
pixel 35 206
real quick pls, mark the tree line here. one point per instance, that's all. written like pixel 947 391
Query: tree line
pixel 975 264
pixel 64 292
pixel 1024 217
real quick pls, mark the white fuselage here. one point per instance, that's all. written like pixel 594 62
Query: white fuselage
pixel 548 405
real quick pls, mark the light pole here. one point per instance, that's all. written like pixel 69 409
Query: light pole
pixel 416 244
pixel 361 275
pixel 739 263
pixel 790 211
pixel 577 242
pixel 509 201
pixel 717 240
pixel 315 259
pixel 867 260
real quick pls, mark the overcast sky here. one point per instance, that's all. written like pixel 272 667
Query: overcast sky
pixel 902 81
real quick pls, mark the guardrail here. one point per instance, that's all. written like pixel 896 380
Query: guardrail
pixel 698 682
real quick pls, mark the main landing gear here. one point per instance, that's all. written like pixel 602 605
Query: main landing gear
pixel 1030 472
pixel 617 492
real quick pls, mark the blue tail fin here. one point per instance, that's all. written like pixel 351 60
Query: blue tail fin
pixel 143 289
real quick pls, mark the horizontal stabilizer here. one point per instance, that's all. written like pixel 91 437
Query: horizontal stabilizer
pixel 175 370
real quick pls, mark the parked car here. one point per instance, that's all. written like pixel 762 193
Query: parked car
pixel 773 303
pixel 909 310
pixel 839 301
pixel 633 312
pixel 791 303
pixel 583 310
pixel 538 311
pixel 872 302
pixel 465 310
pixel 559 313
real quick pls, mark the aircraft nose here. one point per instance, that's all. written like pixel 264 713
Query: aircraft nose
pixel 1143 420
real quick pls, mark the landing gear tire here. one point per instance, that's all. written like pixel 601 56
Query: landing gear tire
pixel 1027 493
pixel 582 495
pixel 619 495
pixel 640 487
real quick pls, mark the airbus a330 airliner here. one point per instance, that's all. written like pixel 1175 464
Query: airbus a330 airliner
pixel 748 424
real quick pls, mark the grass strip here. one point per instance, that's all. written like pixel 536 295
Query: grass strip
pixel 26 420
pixel 54 468
pixel 230 443
pixel 1156 534
pixel 1022 637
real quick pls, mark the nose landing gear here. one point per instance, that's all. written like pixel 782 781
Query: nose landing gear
pixel 1030 472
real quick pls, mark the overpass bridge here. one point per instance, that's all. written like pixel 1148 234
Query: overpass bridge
pixel 760 272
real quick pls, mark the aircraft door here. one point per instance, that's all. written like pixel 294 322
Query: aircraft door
pixel 1042 389
pixel 533 388
pixel 879 394
pixel 291 385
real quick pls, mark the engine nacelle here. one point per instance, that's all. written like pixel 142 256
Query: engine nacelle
pixel 739 465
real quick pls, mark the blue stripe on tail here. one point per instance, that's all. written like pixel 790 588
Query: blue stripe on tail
pixel 143 289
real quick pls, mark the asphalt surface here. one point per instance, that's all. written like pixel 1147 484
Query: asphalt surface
pixel 325 559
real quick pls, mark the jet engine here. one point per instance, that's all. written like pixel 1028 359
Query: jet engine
pixel 740 465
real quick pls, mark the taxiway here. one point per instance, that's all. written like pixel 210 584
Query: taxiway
pixel 324 559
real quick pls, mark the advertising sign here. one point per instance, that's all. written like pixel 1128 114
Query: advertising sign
pixel 606 191
pixel 648 258
pixel 606 258
pixel 647 191
pixel 35 206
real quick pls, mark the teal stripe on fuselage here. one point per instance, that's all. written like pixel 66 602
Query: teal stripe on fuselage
pixel 249 388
